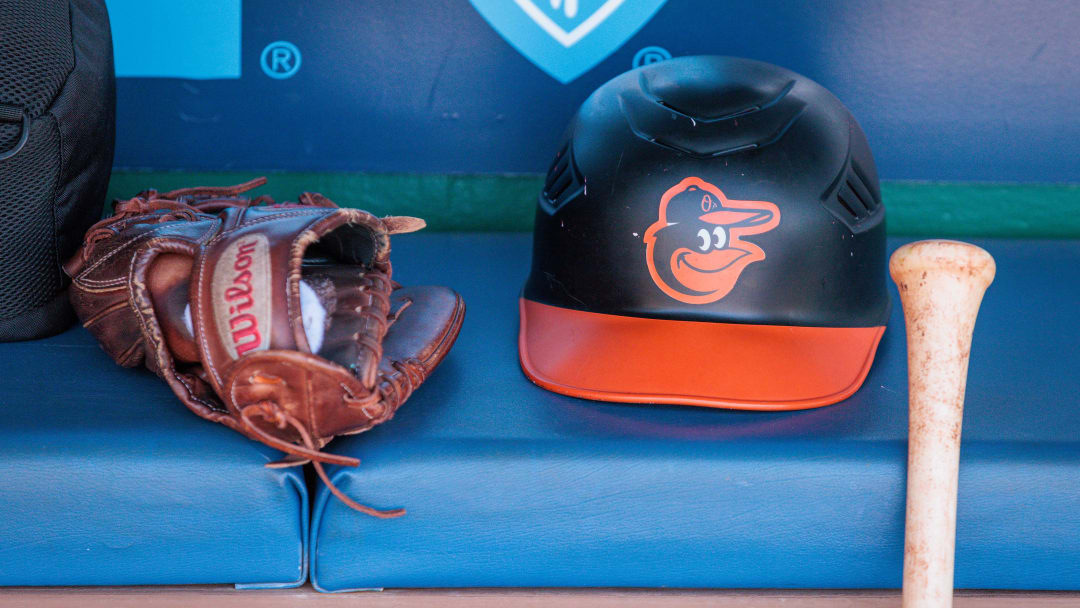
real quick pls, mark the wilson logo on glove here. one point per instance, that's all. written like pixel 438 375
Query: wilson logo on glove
pixel 695 250
pixel 241 289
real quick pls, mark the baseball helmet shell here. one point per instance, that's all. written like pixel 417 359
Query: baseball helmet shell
pixel 710 232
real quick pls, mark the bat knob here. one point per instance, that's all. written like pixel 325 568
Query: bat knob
pixel 918 264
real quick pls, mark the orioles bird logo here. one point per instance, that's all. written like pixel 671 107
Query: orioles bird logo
pixel 695 250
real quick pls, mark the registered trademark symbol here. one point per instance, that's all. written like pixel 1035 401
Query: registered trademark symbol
pixel 649 55
pixel 280 59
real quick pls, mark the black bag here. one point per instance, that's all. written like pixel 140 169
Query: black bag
pixel 57 127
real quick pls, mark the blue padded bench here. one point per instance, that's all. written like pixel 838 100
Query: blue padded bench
pixel 509 485
pixel 107 479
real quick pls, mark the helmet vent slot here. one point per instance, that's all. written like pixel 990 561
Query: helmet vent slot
pixel 850 211
pixel 856 184
pixel 562 183
pixel 851 201
pixel 849 197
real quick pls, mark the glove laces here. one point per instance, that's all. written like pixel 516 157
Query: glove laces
pixel 270 412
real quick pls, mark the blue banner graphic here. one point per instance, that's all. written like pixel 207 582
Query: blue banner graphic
pixel 196 39
pixel 566 38
pixel 964 90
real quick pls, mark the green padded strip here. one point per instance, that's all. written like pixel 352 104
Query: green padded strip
pixel 458 202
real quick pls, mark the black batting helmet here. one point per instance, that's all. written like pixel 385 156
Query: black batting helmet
pixel 710 233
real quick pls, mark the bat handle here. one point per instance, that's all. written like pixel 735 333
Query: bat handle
pixel 941 286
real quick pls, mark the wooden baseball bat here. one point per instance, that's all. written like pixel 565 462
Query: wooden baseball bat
pixel 941 286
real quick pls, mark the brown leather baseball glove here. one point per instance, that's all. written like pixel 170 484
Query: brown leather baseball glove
pixel 280 321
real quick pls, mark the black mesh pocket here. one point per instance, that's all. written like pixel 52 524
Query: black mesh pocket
pixel 56 87
pixel 35 58
pixel 35 52
pixel 30 273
